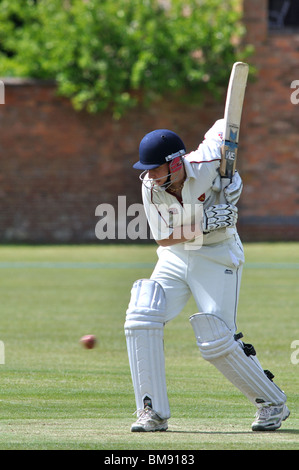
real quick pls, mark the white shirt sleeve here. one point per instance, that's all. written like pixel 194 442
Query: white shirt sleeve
pixel 216 132
pixel 206 159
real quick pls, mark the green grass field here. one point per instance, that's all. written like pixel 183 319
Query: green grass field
pixel 56 395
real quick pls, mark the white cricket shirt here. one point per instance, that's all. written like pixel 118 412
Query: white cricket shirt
pixel 164 211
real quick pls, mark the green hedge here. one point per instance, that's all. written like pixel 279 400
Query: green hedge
pixel 110 53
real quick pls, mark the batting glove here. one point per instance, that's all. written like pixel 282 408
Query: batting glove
pixel 219 216
pixel 233 191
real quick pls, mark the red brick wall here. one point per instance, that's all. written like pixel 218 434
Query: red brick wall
pixel 269 154
pixel 58 165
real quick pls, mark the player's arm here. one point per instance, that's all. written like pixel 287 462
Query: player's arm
pixel 182 234
pixel 214 218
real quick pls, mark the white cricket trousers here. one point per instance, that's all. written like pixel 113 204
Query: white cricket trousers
pixel 211 274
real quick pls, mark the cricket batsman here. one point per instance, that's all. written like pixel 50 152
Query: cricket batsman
pixel 199 254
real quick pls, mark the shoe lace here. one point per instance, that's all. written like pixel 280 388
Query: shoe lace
pixel 264 412
pixel 143 414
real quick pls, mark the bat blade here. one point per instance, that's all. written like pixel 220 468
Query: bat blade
pixel 232 118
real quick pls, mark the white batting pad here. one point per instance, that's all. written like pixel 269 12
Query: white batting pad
pixel 146 358
pixel 147 305
pixel 218 346
pixel 144 329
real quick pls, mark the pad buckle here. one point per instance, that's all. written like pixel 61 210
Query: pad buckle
pixel 248 348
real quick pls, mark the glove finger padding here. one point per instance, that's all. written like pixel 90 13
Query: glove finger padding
pixel 220 216
pixel 233 191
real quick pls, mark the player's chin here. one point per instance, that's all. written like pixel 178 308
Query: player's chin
pixel 160 182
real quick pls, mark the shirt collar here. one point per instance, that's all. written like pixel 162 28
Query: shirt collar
pixel 189 170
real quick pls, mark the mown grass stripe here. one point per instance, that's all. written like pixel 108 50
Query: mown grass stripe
pixel 99 265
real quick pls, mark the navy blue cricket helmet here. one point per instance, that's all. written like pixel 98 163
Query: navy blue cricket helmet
pixel 158 147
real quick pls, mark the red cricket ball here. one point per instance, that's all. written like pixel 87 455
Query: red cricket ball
pixel 88 341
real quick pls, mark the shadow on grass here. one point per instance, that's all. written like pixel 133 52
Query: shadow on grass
pixel 278 431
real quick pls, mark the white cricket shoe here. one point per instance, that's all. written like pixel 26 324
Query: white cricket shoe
pixel 269 417
pixel 149 421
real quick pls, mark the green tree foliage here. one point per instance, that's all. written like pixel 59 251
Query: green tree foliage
pixel 110 53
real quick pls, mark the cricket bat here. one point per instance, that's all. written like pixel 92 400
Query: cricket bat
pixel 232 119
